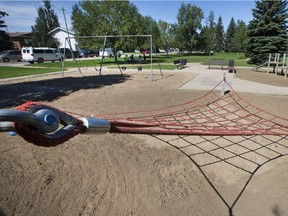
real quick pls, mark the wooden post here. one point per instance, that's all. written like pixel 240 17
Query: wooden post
pixel 269 61
pixel 276 67
pixel 285 63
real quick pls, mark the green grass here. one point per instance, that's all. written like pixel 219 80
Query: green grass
pixel 166 62
pixel 239 58
pixel 6 71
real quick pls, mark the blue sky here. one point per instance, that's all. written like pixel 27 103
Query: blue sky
pixel 22 13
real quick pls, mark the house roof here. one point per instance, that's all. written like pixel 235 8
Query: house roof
pixel 59 29
pixel 20 34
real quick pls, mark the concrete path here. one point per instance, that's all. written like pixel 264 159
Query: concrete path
pixel 206 79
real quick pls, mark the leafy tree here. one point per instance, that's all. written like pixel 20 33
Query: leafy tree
pixel 230 35
pixel 5 40
pixel 46 21
pixel 173 36
pixel 211 31
pixel 219 35
pixel 189 24
pixel 203 40
pixel 100 18
pixel 267 32
pixel 206 39
pixel 150 27
pixel 164 29
pixel 240 36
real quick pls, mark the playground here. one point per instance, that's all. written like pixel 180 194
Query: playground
pixel 276 63
pixel 126 174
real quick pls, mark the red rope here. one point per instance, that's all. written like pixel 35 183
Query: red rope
pixel 211 114
pixel 30 134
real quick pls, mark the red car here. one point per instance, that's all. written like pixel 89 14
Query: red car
pixel 146 52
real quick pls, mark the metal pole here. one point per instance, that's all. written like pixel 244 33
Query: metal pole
pixel 63 59
pixel 69 41
pixel 151 58
pixel 104 45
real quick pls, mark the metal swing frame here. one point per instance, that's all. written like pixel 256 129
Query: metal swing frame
pixel 104 46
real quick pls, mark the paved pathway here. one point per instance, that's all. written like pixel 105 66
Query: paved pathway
pixel 206 79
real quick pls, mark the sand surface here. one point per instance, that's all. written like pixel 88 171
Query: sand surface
pixel 120 174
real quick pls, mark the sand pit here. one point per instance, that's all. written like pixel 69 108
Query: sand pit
pixel 119 174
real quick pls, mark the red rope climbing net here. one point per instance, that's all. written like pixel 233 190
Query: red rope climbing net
pixel 211 114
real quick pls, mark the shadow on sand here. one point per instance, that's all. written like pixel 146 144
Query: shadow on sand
pixel 49 90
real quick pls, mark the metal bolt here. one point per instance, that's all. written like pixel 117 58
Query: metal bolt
pixel 50 119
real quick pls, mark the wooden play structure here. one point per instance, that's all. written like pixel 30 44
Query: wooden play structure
pixel 277 62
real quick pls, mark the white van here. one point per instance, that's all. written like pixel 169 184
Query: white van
pixel 39 54
pixel 108 52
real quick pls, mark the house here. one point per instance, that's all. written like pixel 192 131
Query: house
pixel 61 34
pixel 21 39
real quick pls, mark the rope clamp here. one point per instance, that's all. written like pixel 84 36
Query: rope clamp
pixel 47 126
pixel 46 120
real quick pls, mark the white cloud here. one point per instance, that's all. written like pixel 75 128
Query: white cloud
pixel 21 17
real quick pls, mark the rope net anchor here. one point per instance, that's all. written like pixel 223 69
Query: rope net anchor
pixel 41 124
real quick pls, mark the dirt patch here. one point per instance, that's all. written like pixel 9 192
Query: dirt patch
pixel 118 174
pixel 262 77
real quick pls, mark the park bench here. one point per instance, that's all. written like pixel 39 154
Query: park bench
pixel 180 63
pixel 222 63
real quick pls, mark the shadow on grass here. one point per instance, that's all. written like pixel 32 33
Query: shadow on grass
pixel 49 90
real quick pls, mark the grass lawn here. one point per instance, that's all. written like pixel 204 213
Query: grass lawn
pixel 166 62
pixel 6 71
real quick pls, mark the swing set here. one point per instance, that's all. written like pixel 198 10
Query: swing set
pixel 102 51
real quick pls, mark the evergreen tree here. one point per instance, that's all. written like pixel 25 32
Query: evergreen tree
pixel 267 32
pixel 46 21
pixel 5 40
pixel 219 35
pixel 230 35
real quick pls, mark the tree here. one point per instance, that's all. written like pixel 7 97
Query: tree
pixel 267 31
pixel 149 26
pixel 189 24
pixel 219 36
pixel 173 36
pixel 5 40
pixel 211 31
pixel 46 21
pixel 99 18
pixel 206 39
pixel 240 36
pixel 203 40
pixel 230 35
pixel 164 29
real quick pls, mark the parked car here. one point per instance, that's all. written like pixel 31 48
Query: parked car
pixel 10 55
pixel 89 53
pixel 68 53
pixel 108 52
pixel 146 52
pixel 39 54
